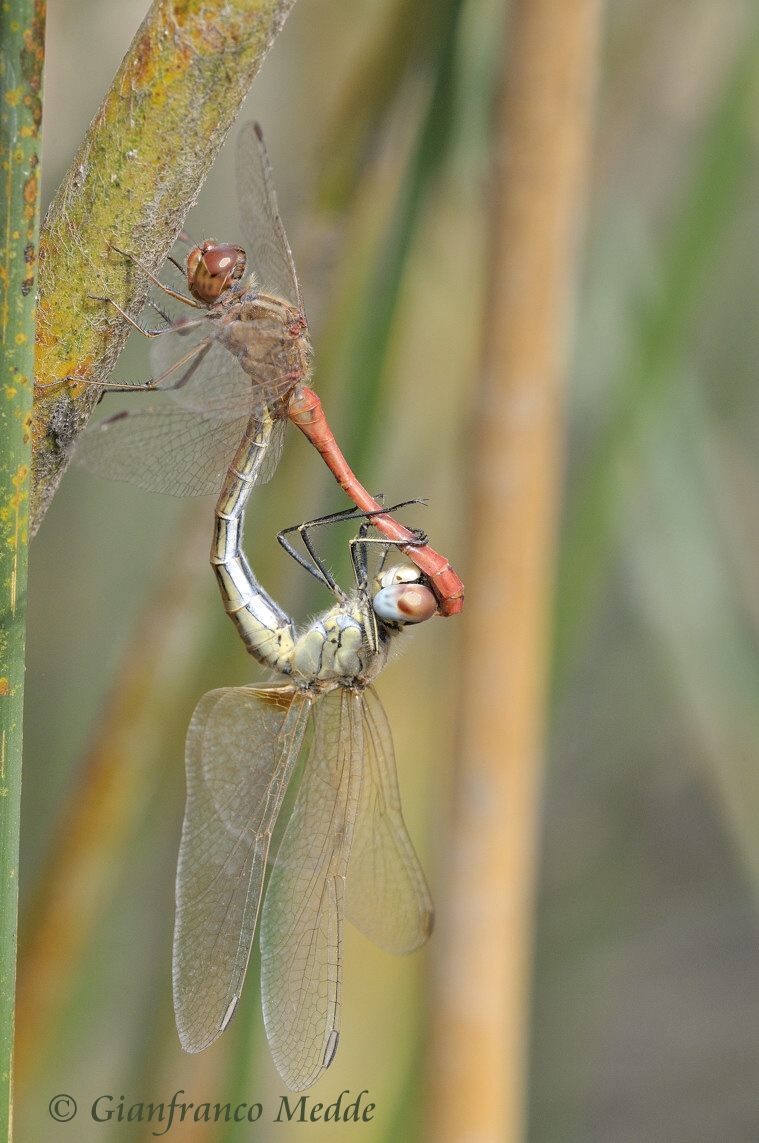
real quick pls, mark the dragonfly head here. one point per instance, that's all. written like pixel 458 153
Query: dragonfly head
pixel 400 596
pixel 214 268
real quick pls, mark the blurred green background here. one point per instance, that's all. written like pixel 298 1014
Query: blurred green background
pixel 378 118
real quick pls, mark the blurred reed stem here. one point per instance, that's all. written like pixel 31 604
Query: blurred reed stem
pixel 371 329
pixel 22 41
pixel 706 208
pixel 481 1007
pixel 117 781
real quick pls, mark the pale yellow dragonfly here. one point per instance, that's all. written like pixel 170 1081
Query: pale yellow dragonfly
pixel 345 850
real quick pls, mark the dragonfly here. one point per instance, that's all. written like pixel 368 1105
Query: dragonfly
pixel 234 374
pixel 345 850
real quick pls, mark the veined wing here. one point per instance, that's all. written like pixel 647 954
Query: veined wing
pixel 386 895
pixel 198 363
pixel 181 442
pixel 242 745
pixel 162 449
pixel 195 368
pixel 302 919
pixel 268 247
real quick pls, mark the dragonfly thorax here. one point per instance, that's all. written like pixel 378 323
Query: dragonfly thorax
pixel 349 645
pixel 278 357
pixel 336 650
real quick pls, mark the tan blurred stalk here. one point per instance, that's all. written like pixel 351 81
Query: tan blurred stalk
pixel 105 806
pixel 481 1001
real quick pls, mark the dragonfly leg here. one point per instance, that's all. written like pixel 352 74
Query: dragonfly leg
pixel 162 313
pixel 194 357
pixel 157 281
pixel 134 324
pixel 317 567
pixel 354 513
pixel 138 387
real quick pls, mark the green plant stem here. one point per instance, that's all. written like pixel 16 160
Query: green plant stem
pixel 138 171
pixel 22 30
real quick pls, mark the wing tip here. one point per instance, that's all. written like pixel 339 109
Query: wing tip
pixel 194 1040
pixel 330 1050
pixel 190 1042
pixel 231 1009
pixel 304 1077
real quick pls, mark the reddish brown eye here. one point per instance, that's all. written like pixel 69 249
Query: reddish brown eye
pixel 221 260
pixel 193 261
pixel 213 268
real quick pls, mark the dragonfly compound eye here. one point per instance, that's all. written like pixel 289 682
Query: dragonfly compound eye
pixel 404 603
pixel 212 268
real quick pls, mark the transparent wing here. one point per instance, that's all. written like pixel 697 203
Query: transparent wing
pixel 302 919
pixel 269 249
pixel 222 366
pixel 386 895
pixel 181 442
pixel 162 450
pixel 242 744
pixel 197 368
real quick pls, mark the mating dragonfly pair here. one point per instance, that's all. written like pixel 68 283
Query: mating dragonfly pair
pixel 234 375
